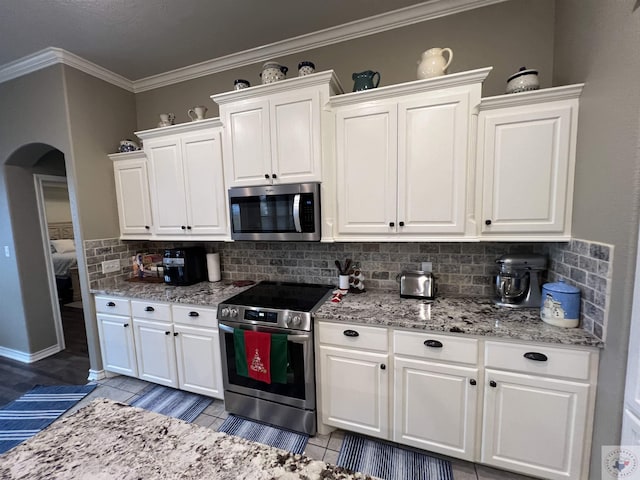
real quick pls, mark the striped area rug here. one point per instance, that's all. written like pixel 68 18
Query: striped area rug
pixel 390 463
pixel 35 410
pixel 173 403
pixel 265 434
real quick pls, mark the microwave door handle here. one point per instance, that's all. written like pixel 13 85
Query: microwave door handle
pixel 296 212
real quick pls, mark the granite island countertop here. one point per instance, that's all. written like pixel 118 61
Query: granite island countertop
pixel 459 315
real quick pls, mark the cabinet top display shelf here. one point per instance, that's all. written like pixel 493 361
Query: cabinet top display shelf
pixel 315 79
pixel 534 97
pixel 417 86
pixel 179 128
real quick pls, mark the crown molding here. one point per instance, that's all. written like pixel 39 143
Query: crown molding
pixel 328 78
pixel 53 56
pixel 566 92
pixel 348 31
pixel 421 12
pixel 179 128
pixel 416 86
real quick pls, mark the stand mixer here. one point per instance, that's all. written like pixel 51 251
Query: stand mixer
pixel 517 281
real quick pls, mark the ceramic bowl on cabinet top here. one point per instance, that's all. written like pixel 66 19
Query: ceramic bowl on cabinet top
pixel 523 81
pixel 128 146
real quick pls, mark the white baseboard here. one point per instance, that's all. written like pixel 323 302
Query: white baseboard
pixel 25 357
pixel 95 375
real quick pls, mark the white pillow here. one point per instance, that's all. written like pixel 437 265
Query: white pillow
pixel 64 246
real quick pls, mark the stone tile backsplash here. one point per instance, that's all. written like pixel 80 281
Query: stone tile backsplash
pixel 460 268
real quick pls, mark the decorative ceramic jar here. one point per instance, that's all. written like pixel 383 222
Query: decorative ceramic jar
pixel 239 84
pixel 365 80
pixel 272 72
pixel 128 145
pixel 433 63
pixel 166 119
pixel 560 305
pixel 523 81
pixel 306 68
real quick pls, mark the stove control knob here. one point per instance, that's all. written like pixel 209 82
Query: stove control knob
pixel 233 313
pixel 225 312
pixel 296 320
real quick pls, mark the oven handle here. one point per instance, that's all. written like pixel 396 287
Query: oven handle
pixel 296 212
pixel 298 338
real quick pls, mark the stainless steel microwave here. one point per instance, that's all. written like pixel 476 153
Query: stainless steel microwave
pixel 275 212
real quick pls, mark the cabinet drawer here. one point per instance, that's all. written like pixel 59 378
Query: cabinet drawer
pixel 151 310
pixel 113 305
pixel 348 335
pixel 194 316
pixel 436 347
pixel 559 362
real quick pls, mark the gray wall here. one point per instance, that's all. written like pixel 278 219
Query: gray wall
pixel 506 36
pixel 33 115
pixel 84 118
pixel 597 43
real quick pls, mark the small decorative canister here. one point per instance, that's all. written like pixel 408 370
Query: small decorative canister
pixel 272 72
pixel 560 305
pixel 306 68
pixel 239 84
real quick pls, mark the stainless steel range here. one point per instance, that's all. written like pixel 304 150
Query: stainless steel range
pixel 275 308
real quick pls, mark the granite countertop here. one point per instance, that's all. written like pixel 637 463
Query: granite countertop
pixel 108 440
pixel 462 315
pixel 203 293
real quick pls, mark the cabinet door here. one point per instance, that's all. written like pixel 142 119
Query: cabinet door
pixel 526 162
pixel 198 360
pixel 155 352
pixel 435 407
pixel 296 154
pixel 132 193
pixel 116 343
pixel 247 145
pixel 534 425
pixel 167 186
pixel 366 142
pixel 432 164
pixel 355 389
pixel 204 185
pixel 630 428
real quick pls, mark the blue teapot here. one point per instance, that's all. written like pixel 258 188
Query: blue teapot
pixel 365 80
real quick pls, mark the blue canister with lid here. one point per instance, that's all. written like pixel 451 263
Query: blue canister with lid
pixel 560 304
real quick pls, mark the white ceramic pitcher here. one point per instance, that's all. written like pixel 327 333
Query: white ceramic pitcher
pixel 433 63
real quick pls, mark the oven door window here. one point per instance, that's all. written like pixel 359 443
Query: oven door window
pixel 263 214
pixel 295 386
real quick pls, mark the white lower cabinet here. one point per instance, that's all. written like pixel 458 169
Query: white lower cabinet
pixel 116 335
pixel 527 408
pixel 354 378
pixel 168 344
pixel 116 343
pixel 155 352
pixel 435 392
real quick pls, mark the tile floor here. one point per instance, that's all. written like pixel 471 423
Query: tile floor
pixel 321 447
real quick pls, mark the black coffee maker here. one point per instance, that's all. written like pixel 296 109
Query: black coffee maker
pixel 185 265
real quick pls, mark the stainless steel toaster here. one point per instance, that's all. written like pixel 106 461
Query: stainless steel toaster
pixel 417 284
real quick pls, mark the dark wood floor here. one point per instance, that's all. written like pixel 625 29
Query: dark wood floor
pixel 69 367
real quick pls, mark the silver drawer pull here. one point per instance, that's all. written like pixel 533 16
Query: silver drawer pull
pixel 433 343
pixel 537 356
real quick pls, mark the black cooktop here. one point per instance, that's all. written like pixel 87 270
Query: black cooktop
pixel 302 297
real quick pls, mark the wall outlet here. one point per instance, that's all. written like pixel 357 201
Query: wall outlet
pixel 426 266
pixel 109 266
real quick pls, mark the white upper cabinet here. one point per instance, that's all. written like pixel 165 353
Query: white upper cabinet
pixel 525 164
pixel 402 159
pixel 186 181
pixel 132 194
pixel 273 132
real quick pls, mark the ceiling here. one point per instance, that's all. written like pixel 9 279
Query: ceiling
pixel 142 38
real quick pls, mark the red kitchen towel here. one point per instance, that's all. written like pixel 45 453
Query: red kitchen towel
pixel 258 351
